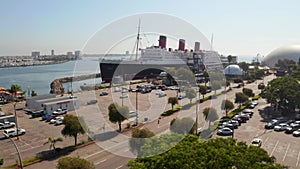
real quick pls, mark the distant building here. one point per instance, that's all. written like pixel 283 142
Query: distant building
pixel 35 53
pixel 52 52
pixel 77 53
pixel 69 54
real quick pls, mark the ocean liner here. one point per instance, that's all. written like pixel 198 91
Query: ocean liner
pixel 156 59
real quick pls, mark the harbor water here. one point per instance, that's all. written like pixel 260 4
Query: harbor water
pixel 38 78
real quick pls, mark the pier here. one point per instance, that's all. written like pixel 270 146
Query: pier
pixel 57 85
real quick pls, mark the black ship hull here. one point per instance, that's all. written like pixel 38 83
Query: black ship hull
pixel 133 71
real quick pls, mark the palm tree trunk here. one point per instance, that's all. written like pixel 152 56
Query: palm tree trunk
pixel 75 137
pixel 120 127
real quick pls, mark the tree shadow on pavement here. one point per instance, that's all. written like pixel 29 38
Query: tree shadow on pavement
pixel 105 136
pixel 51 155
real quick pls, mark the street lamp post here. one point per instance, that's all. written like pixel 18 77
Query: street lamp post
pixel 197 111
pixel 271 99
pixel 16 119
pixel 136 108
pixel 17 149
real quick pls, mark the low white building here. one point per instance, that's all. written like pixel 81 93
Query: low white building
pixel 48 103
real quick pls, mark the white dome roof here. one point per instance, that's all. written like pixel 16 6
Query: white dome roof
pixel 291 52
pixel 233 70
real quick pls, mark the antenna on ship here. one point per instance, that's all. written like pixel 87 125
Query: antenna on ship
pixel 211 41
pixel 137 41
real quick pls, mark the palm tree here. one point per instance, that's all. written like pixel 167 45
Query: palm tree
pixel 227 105
pixel 210 114
pixel 52 142
pixel 173 101
pixel 14 88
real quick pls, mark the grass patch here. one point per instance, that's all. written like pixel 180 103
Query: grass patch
pixel 256 97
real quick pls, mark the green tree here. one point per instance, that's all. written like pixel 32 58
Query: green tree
pixel 206 77
pixel 248 92
pixel 286 64
pixel 186 75
pixel 190 94
pixel 215 85
pixel 173 101
pixel 212 154
pixel 210 114
pixel 74 163
pixel 185 125
pixel 202 90
pixel 244 66
pixel 283 92
pixel 241 98
pixel 52 141
pixel 139 138
pixel 33 93
pixel 14 88
pixel 261 86
pixel 72 127
pixel 117 114
pixel 229 57
pixel 227 105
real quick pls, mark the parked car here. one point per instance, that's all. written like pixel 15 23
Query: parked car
pixel 281 127
pixel 7 124
pixel 256 142
pixel 103 94
pixel 124 96
pixel 46 116
pixel 251 106
pixel 53 121
pixel 50 118
pixel 225 131
pixel 181 97
pixel 59 122
pixel 226 125
pixel 290 130
pixel 13 132
pixel 162 94
pixel 117 89
pixel 247 111
pixel 269 125
pixel 37 114
pixel 235 123
pixel 91 102
pixel 60 111
pixel 296 133
pixel 132 114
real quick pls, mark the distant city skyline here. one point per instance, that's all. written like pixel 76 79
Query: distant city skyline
pixel 242 28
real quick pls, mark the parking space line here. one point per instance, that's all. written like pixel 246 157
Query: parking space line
pixel 274 148
pixel 267 139
pixel 93 154
pixel 119 167
pixel 286 152
pixel 298 159
pixel 100 161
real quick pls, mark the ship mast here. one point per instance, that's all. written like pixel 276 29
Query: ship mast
pixel 138 41
pixel 211 41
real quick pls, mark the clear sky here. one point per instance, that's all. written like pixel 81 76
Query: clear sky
pixel 244 28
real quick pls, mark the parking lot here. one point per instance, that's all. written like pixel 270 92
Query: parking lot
pixel 33 142
pixel 285 147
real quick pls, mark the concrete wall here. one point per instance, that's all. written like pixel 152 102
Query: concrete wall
pixel 10 118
